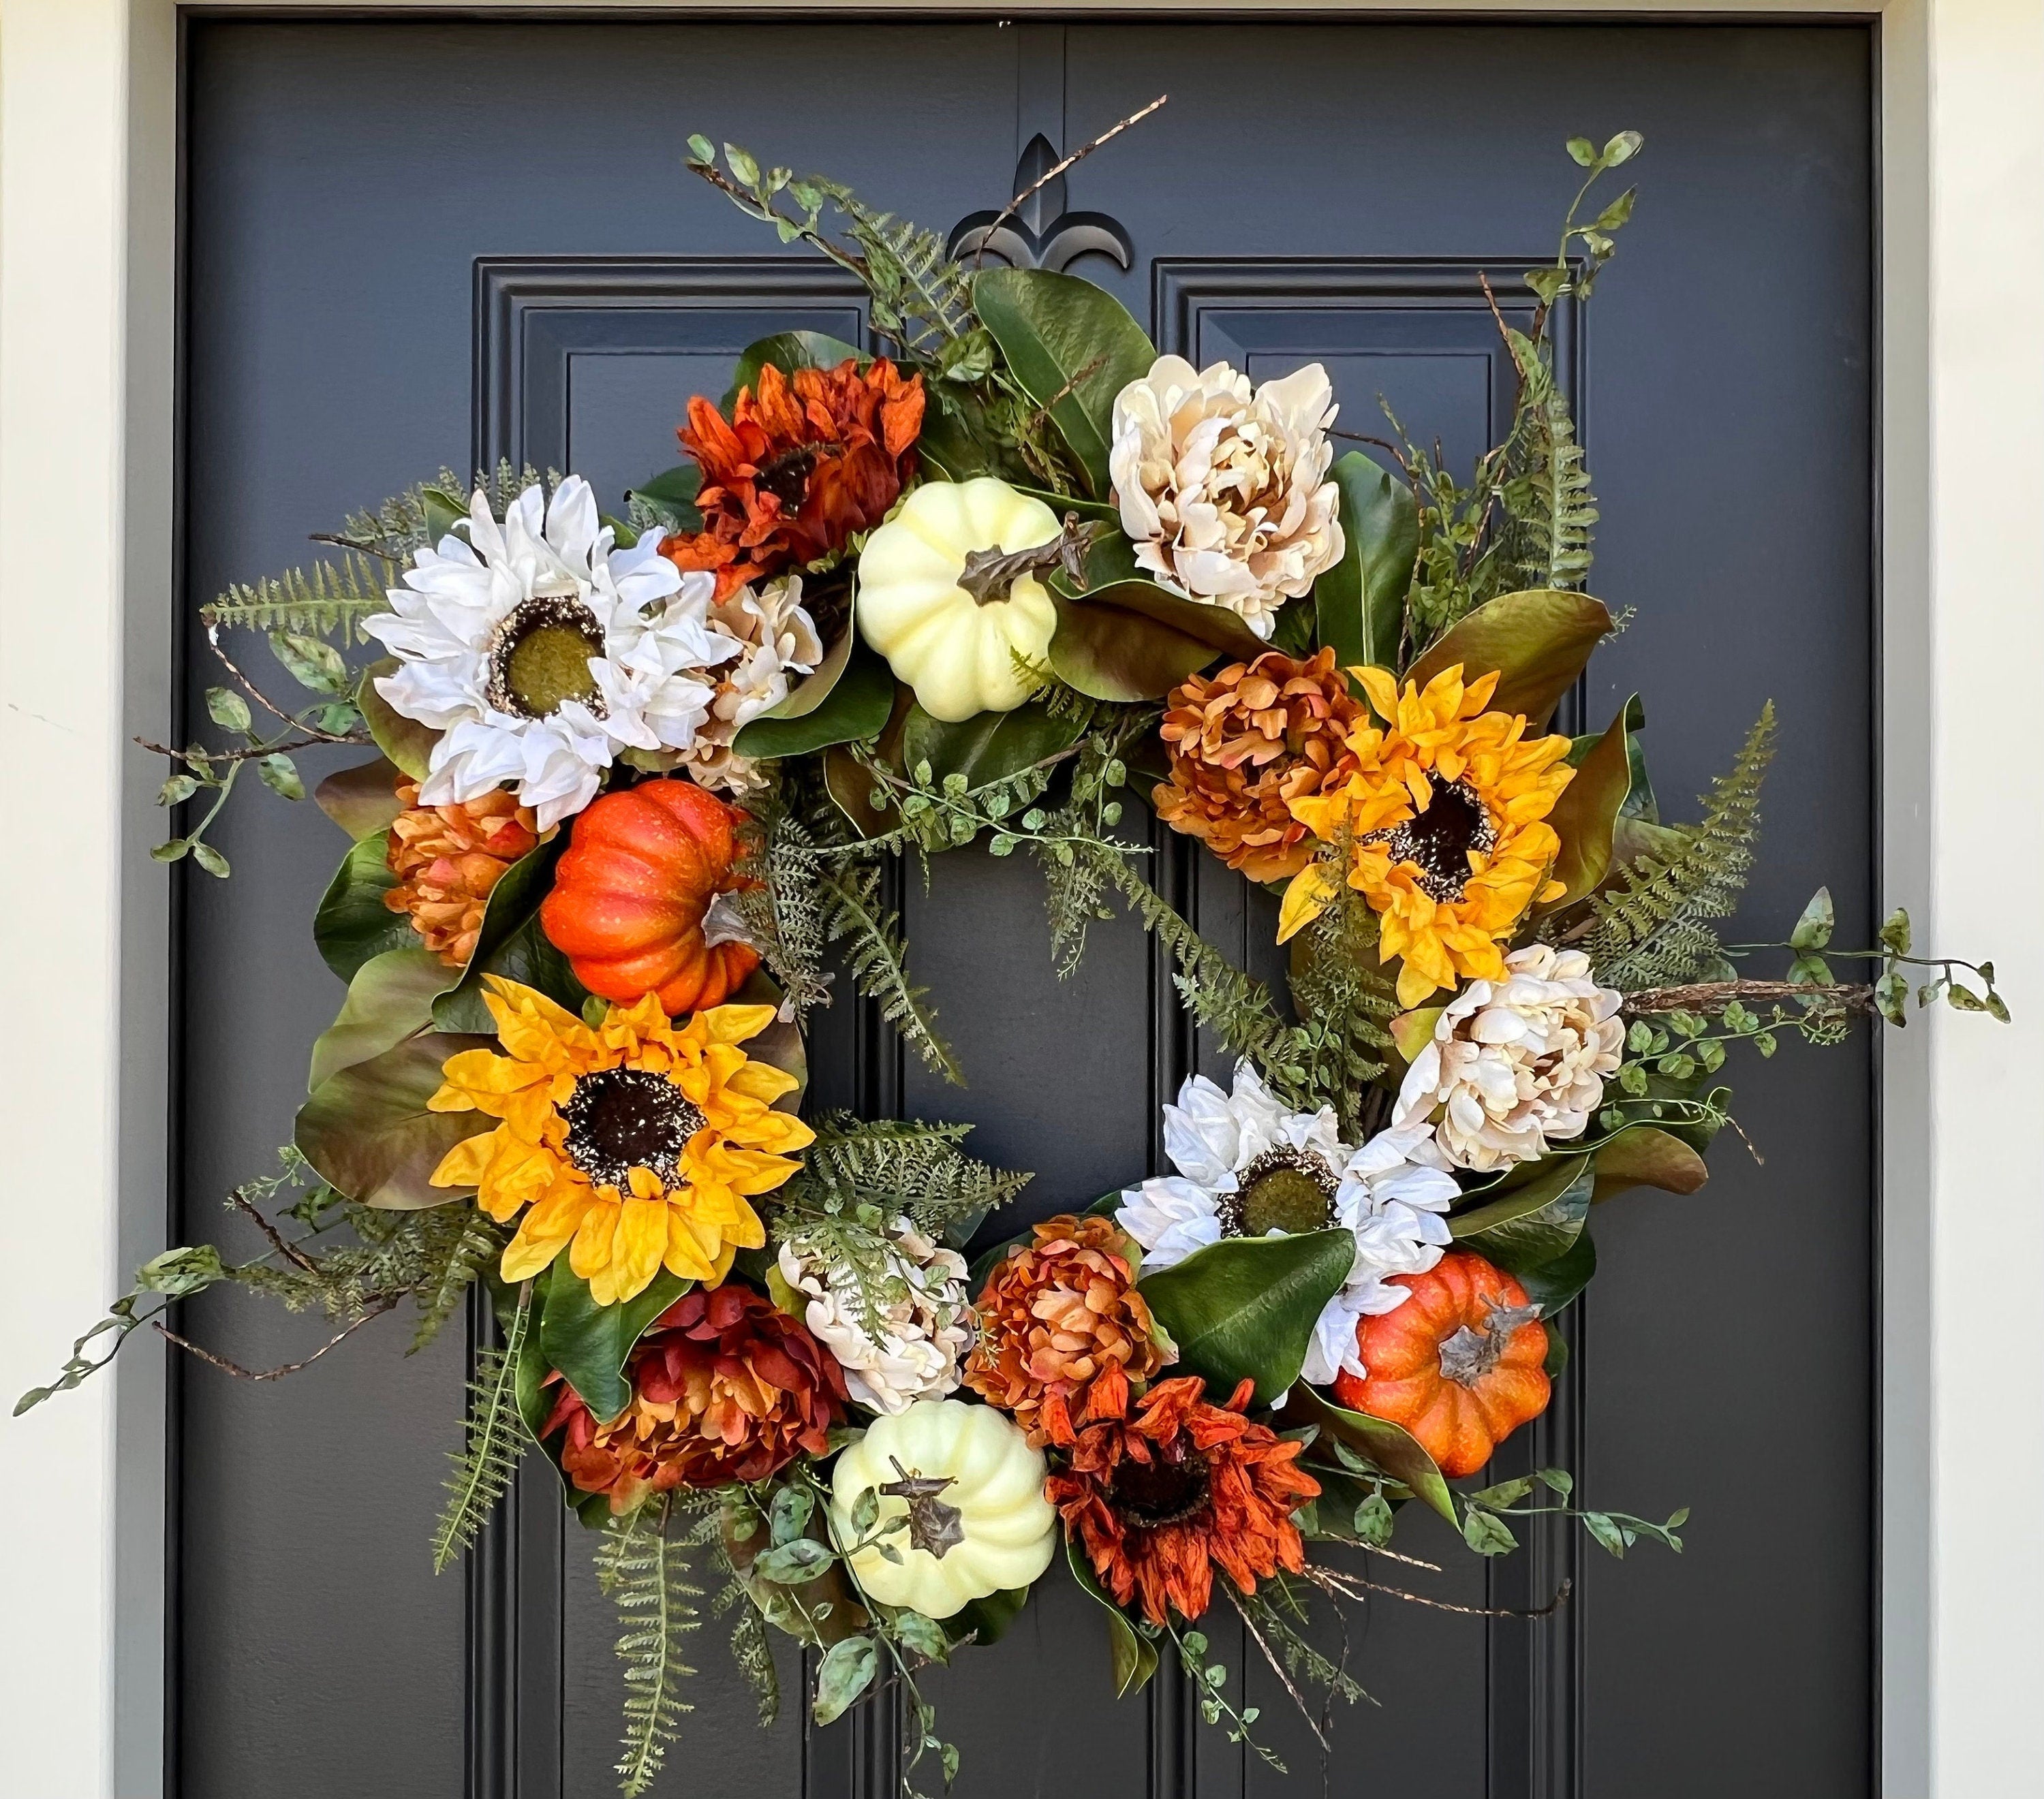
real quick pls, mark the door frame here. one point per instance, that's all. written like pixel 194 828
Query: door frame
pixel 88 187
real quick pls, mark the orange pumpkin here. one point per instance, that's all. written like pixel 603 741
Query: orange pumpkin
pixel 1458 1364
pixel 630 890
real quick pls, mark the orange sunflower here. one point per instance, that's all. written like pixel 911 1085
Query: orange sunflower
pixel 1446 811
pixel 636 1145
pixel 804 464
pixel 1158 1503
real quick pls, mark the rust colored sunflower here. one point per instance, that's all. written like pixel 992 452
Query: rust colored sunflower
pixel 1186 1486
pixel 803 463
pixel 1245 743
pixel 1062 1331
pixel 448 859
pixel 725 1386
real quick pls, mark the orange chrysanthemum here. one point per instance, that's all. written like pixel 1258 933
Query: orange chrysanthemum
pixel 1063 1330
pixel 635 1145
pixel 1159 1503
pixel 724 1387
pixel 804 464
pixel 1244 743
pixel 448 859
pixel 1446 811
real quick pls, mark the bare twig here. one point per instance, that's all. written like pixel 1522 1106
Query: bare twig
pixel 254 752
pixel 288 1251
pixel 239 1372
pixel 268 704
pixel 1276 1667
pixel 1711 997
pixel 1352 1586
pixel 1057 169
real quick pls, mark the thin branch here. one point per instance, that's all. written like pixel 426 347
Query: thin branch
pixel 288 1251
pixel 1276 1667
pixel 1711 997
pixel 356 544
pixel 1057 169
pixel 268 704
pixel 1352 1586
pixel 255 751
pixel 239 1372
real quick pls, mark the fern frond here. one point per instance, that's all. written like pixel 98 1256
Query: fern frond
pixel 1549 507
pixel 488 1463
pixel 1346 998
pixel 1648 928
pixel 785 912
pixel 647 1576
pixel 877 960
pixel 476 1244
pixel 754 1655
pixel 330 599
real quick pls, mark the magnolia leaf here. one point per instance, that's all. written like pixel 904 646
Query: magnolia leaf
pixel 1555 1284
pixel 362 800
pixel 788 351
pixel 672 495
pixel 367 1130
pixel 1132 1655
pixel 1360 603
pixel 1642 1156
pixel 1385 1446
pixel 353 923
pixel 855 707
pixel 390 999
pixel 988 746
pixel 588 1342
pixel 1072 347
pixel 847 1671
pixel 1534 1222
pixel 987 1620
pixel 1586 814
pixel 1107 654
pixel 405 741
pixel 1244 1308
pixel 511 943
pixel 1539 640
pixel 1114 579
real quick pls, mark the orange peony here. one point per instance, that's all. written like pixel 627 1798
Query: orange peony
pixel 1063 1330
pixel 448 859
pixel 1159 1503
pixel 804 464
pixel 724 1387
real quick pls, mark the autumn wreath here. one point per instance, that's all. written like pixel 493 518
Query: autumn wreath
pixel 637 780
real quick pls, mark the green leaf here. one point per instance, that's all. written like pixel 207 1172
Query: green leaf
pixel 1375 1520
pixel 672 494
pixel 1245 1308
pixel 1384 1445
pixel 511 943
pixel 1584 152
pixel 367 1130
pixel 1487 1534
pixel 362 800
pixel 1554 1285
pixel 855 706
pixel 1586 815
pixel 1107 653
pixel 353 923
pixel 1360 603
pixel 215 864
pixel 1622 148
pixel 1133 1656
pixel 588 1342
pixel 1535 1222
pixel 280 774
pixel 989 746
pixel 1072 347
pixel 1608 1532
pixel 405 741
pixel 1813 928
pixel 1644 1156
pixel 789 1564
pixel 312 664
pixel 788 351
pixel 1539 641
pixel 1894 933
pixel 987 1620
pixel 227 708
pixel 177 790
pixel 390 999
pixel 847 1671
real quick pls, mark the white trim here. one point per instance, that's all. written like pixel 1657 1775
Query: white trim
pixel 87 152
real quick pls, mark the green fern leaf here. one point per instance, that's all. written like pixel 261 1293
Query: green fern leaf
pixel 647 1576
pixel 488 1463
pixel 877 961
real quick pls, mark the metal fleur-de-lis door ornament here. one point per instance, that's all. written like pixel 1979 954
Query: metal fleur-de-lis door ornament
pixel 1040 233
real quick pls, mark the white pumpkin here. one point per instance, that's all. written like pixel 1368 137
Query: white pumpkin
pixel 959 655
pixel 1005 1529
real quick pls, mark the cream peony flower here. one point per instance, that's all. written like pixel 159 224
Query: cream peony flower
pixel 1248 1167
pixel 775 640
pixel 1518 1064
pixel 916 1354
pixel 539 651
pixel 1224 490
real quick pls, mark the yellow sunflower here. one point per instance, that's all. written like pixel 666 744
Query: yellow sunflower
pixel 1446 812
pixel 639 1142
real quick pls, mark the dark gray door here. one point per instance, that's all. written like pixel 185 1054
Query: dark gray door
pixel 415 243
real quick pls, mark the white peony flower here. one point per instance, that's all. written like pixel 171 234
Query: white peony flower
pixel 1518 1064
pixel 539 651
pixel 1224 490
pixel 915 1355
pixel 775 640
pixel 1248 1167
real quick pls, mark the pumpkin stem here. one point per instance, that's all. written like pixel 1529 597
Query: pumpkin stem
pixel 989 574
pixel 1472 1352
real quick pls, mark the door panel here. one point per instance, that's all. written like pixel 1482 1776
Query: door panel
pixel 419 243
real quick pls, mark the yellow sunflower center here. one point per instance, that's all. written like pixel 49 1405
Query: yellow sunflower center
pixel 540 655
pixel 1438 841
pixel 620 1119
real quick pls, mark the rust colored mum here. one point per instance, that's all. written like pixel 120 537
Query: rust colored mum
pixel 1161 1500
pixel 1063 1330
pixel 724 1387
pixel 448 859
pixel 1244 744
pixel 803 463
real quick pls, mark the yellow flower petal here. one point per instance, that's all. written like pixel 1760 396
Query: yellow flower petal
pixel 1382 686
pixel 732 1024
pixel 462 1165
pixel 1307 896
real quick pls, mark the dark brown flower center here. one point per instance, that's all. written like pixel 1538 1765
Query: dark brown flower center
pixel 1438 841
pixel 620 1119
pixel 539 656
pixel 787 476
pixel 1286 1189
pixel 1148 1494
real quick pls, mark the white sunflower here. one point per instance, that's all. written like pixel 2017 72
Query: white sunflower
pixel 1248 1167
pixel 540 650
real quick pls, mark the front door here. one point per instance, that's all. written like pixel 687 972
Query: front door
pixel 427 243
